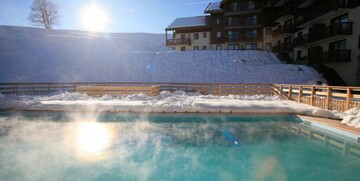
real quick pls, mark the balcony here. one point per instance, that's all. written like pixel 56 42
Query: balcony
pixel 282 30
pixel 317 10
pixel 343 28
pixel 244 8
pixel 336 56
pixel 283 47
pixel 178 41
pixel 243 38
pixel 242 22
pixel 319 57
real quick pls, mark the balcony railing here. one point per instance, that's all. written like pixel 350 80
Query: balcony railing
pixel 242 22
pixel 178 41
pixel 282 30
pixel 343 28
pixel 283 47
pixel 247 7
pixel 336 56
pixel 243 38
pixel 317 10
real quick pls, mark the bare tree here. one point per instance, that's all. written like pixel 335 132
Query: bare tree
pixel 44 13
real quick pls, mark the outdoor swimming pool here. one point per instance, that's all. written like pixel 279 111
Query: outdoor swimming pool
pixel 114 146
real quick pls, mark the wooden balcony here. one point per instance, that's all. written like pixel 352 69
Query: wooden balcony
pixel 343 28
pixel 282 30
pixel 245 8
pixel 243 38
pixel 178 41
pixel 242 22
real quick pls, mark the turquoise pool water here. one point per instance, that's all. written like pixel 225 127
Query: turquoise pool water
pixel 109 146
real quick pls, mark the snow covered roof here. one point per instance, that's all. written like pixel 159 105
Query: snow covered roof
pixel 187 22
pixel 213 7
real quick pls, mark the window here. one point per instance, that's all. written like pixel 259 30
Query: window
pixel 234 6
pixel 251 34
pixel 251 20
pixel 250 46
pixel 204 35
pixel 233 35
pixel 204 47
pixel 218 34
pixel 340 24
pixel 229 21
pixel 298 55
pixel 338 45
pixel 268 31
pixel 183 36
pixel 183 49
pixel 196 36
pixel 196 48
pixel 251 5
pixel 268 46
pixel 218 47
pixel 218 21
pixel 233 47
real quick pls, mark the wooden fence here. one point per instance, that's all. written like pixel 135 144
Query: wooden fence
pixel 326 97
pixel 215 89
pixel 118 90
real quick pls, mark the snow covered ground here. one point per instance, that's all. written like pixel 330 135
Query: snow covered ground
pixel 173 102
pixel 38 55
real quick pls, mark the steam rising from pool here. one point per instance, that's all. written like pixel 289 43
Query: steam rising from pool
pixel 130 147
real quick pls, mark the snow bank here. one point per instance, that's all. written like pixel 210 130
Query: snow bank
pixel 38 55
pixel 178 101
pixel 351 117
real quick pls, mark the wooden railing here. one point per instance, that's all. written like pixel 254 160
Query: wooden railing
pixel 325 97
pixel 215 89
pixel 118 90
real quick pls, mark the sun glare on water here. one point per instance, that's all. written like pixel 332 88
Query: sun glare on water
pixel 94 18
pixel 92 139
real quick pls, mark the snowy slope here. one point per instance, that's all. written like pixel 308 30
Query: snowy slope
pixel 38 55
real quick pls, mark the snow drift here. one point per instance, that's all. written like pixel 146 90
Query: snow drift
pixel 38 55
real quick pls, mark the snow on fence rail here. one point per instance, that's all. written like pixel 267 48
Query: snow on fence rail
pixel 325 97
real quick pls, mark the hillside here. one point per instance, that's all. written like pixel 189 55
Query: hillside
pixel 38 55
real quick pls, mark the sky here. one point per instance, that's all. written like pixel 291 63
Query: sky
pixel 149 16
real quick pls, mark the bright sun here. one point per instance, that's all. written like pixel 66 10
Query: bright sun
pixel 94 18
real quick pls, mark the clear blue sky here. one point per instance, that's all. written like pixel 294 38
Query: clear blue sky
pixel 150 16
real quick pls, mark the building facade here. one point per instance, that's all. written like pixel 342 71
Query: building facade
pixel 324 34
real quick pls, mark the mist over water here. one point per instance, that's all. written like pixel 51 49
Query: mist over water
pixel 110 146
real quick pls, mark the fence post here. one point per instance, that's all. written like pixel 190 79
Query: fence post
pixel 281 90
pixel 328 94
pixel 348 96
pixel 290 92
pixel 300 94
pixel 312 95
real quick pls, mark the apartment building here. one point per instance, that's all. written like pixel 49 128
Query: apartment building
pixel 324 34
pixel 190 33
pixel 232 25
